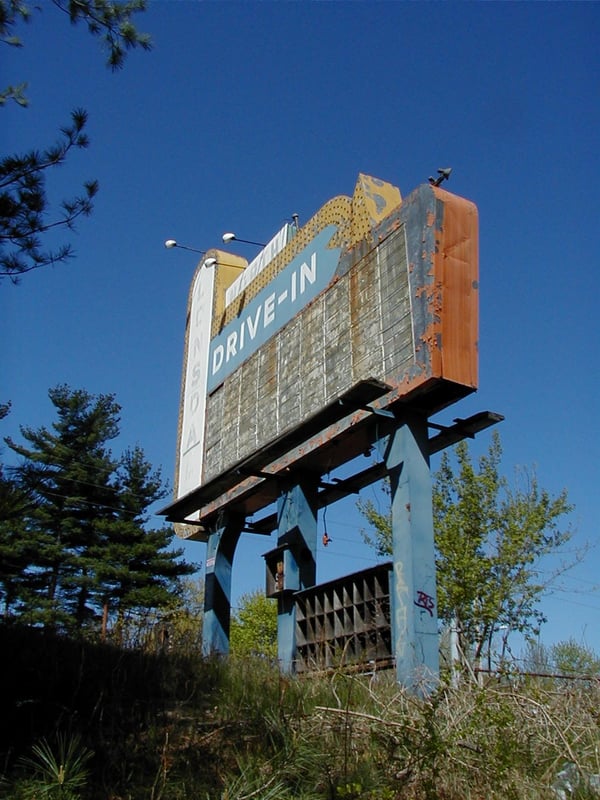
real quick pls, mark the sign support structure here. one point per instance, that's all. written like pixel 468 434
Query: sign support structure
pixel 293 563
pixel 413 587
pixel 351 331
pixel 222 541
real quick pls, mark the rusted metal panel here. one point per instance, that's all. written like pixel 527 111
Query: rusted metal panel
pixel 456 266
pixel 400 305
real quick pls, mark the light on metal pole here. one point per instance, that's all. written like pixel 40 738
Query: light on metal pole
pixel 171 243
pixel 231 237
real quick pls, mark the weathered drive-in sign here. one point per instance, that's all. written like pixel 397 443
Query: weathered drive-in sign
pixel 209 286
pixel 371 305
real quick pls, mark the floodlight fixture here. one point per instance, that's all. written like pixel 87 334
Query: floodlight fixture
pixel 230 237
pixel 170 243
pixel 214 262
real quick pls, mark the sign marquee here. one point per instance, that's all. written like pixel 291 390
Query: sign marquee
pixel 372 291
pixel 295 286
pixel 191 440
pixel 255 267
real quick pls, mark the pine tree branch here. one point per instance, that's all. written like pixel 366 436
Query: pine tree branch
pixel 23 202
pixel 24 206
pixel 112 21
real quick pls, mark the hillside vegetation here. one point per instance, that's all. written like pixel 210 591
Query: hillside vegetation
pixel 96 722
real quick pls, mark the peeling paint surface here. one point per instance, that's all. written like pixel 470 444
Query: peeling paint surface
pixel 401 308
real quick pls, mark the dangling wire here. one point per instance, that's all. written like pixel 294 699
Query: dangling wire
pixel 326 538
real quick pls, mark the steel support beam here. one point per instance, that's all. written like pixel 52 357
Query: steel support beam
pixel 297 533
pixel 413 585
pixel 222 541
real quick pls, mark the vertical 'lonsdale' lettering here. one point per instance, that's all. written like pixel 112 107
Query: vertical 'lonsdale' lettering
pixel 191 442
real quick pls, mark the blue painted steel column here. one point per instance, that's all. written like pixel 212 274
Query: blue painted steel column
pixel 413 589
pixel 297 532
pixel 222 542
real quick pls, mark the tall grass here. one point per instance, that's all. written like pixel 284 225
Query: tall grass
pixel 175 727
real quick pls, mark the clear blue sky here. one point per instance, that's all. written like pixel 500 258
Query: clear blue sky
pixel 245 113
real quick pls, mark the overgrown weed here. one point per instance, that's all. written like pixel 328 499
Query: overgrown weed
pixel 188 728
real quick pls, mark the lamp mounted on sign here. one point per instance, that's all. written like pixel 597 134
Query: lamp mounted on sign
pixel 171 243
pixel 213 262
pixel 208 262
pixel 231 237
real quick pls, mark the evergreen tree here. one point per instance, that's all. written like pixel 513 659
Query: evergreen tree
pixel 137 569
pixel 25 217
pixel 67 472
pixel 15 550
pixel 80 552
